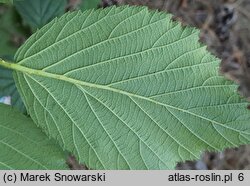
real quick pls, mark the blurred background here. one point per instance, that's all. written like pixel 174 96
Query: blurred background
pixel 225 29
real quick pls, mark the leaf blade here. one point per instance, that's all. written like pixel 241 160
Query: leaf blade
pixel 35 151
pixel 139 100
pixel 38 13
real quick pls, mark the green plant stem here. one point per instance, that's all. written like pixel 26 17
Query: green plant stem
pixel 42 73
pixel 5 64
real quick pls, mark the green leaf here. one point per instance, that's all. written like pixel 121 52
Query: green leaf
pixel 128 88
pixel 8 30
pixel 24 146
pixel 8 88
pixel 89 4
pixel 39 12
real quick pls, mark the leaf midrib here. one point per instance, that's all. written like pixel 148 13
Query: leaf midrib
pixel 41 73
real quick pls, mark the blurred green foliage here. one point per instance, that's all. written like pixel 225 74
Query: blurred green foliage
pixel 6 1
pixel 37 13
pixel 8 31
pixel 89 4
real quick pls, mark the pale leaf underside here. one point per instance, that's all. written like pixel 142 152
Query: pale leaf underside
pixel 127 88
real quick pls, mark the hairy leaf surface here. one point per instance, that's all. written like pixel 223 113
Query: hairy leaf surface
pixel 37 13
pixel 128 88
pixel 25 146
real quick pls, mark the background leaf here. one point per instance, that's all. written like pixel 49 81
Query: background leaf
pixel 89 4
pixel 11 32
pixel 8 88
pixel 8 31
pixel 39 12
pixel 24 146
pixel 127 88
